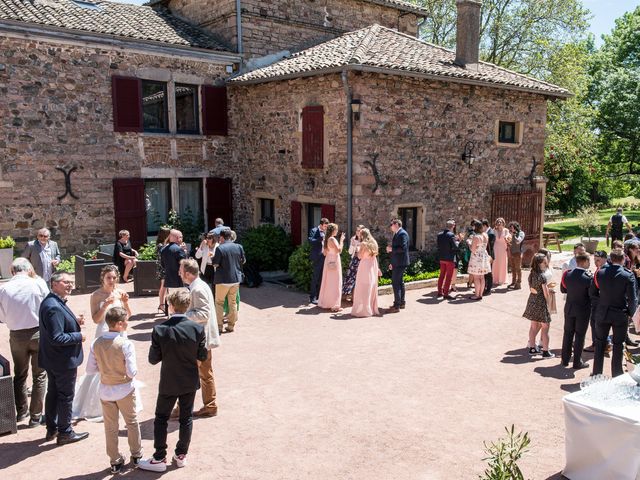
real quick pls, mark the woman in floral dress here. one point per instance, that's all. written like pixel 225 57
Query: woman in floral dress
pixel 350 278
pixel 537 311
pixel 479 263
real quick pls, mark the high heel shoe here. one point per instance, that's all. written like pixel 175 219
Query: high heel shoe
pixel 161 309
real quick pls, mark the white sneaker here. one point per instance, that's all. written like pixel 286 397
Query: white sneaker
pixel 181 460
pixel 153 465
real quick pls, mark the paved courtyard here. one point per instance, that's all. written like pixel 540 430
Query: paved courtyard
pixel 305 394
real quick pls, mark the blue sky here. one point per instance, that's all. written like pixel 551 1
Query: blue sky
pixel 604 13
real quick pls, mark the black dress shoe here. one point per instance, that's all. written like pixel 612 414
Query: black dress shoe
pixel 51 435
pixel 590 349
pixel 393 309
pixel 630 343
pixel 580 366
pixel 36 422
pixel 72 437
pixel 402 306
pixel 22 416
pixel 449 297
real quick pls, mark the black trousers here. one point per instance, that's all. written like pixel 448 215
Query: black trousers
pixel 488 282
pixel 398 285
pixel 61 388
pixel 575 330
pixel 606 320
pixel 164 406
pixel 209 276
pixel 316 278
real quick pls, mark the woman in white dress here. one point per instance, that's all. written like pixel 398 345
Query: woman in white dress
pixel 86 403
pixel 479 263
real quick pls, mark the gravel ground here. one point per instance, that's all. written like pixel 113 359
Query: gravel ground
pixel 306 394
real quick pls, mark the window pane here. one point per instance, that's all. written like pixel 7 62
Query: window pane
pixel 409 217
pixel 154 106
pixel 507 132
pixel 314 214
pixel 267 214
pixel 187 109
pixel 190 192
pixel 157 199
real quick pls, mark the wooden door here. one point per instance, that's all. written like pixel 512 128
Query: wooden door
pixel 130 209
pixel 219 201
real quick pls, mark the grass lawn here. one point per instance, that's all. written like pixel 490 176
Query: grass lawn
pixel 569 228
pixel 568 247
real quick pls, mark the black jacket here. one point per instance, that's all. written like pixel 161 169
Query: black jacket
pixel 575 283
pixel 60 337
pixel 316 237
pixel 229 258
pixel 400 249
pixel 447 246
pixel 616 288
pixel 170 257
pixel 178 343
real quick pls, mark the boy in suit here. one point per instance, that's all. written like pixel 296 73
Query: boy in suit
pixel 114 358
pixel 179 344
pixel 577 310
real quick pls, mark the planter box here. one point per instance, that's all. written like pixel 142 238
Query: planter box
pixel 7 406
pixel 145 281
pixel 6 259
pixel 87 272
pixel 590 245
pixel 432 282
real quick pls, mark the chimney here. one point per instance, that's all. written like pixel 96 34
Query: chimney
pixel 468 34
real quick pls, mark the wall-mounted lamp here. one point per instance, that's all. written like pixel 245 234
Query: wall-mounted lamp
pixel 467 155
pixel 355 108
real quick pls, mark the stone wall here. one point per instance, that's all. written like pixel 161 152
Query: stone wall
pixel 56 110
pixel 414 129
pixel 270 27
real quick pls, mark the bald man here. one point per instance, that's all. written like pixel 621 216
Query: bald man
pixel 170 258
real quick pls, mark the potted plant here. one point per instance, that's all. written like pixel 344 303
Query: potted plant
pixel 145 280
pixel 588 222
pixel 6 256
pixel 87 268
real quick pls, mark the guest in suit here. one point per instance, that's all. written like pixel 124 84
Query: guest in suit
pixel 399 250
pixel 43 254
pixel 202 311
pixel 316 240
pixel 616 288
pixel 448 243
pixel 228 261
pixel 577 310
pixel 600 259
pixel 171 255
pixel 491 234
pixel 60 355
pixel 179 343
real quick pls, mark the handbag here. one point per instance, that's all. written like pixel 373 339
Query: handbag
pixel 551 302
pixel 332 265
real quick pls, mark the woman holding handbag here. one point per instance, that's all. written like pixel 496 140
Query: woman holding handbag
pixel 331 287
pixel 365 293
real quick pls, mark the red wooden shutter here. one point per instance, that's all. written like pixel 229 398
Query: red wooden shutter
pixel 296 223
pixel 214 110
pixel 313 137
pixel 219 201
pixel 328 212
pixel 126 94
pixel 130 209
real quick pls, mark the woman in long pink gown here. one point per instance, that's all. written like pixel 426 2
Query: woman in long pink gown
pixel 331 287
pixel 365 293
pixel 501 251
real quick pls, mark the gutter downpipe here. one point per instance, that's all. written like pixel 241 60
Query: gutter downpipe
pixel 239 25
pixel 349 113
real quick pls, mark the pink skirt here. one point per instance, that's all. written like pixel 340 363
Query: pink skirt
pixel 365 293
pixel 331 287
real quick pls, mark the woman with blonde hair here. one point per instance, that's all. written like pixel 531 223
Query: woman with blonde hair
pixel 365 293
pixel 331 287
pixel 499 268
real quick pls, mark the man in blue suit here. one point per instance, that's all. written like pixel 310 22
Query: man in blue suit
pixel 316 239
pixel 399 251
pixel 577 310
pixel 60 355
pixel 616 288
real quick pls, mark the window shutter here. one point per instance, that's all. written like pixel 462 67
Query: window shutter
pixel 214 110
pixel 219 201
pixel 328 212
pixel 296 223
pixel 126 95
pixel 130 209
pixel 313 137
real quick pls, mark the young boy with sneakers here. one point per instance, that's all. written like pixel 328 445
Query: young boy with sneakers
pixel 113 356
pixel 178 343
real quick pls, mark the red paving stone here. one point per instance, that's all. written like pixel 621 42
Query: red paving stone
pixel 305 394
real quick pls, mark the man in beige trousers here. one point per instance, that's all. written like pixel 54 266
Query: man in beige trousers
pixel 201 310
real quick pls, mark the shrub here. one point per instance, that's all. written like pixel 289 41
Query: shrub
pixel 588 220
pixel 503 456
pixel 300 267
pixel 91 254
pixel 68 265
pixel 148 251
pixel 7 242
pixel 190 227
pixel 268 247
pixel 411 278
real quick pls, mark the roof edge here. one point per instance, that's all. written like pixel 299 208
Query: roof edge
pixel 420 12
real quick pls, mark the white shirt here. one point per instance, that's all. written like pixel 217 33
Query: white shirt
pixel 570 265
pixel 203 252
pixel 45 259
pixel 111 393
pixel 20 300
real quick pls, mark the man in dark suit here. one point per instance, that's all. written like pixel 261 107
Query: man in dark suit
pixel 43 254
pixel 488 277
pixel 399 250
pixel 179 343
pixel 316 239
pixel 577 310
pixel 616 288
pixel 170 257
pixel 60 354
pixel 228 261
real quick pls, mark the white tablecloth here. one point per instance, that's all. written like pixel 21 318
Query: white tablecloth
pixel 602 441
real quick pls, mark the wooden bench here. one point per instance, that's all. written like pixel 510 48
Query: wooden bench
pixel 551 237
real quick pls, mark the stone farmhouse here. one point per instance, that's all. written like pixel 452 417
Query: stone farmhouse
pixel 260 112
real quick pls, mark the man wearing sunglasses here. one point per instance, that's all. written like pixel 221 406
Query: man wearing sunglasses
pixel 43 254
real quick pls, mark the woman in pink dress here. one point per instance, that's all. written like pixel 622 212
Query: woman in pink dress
pixel 365 293
pixel 331 287
pixel 501 250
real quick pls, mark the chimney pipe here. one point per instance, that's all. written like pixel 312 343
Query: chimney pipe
pixel 468 34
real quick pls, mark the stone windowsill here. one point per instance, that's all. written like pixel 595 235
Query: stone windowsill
pixel 195 136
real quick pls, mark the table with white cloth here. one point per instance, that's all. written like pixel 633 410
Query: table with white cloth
pixel 602 439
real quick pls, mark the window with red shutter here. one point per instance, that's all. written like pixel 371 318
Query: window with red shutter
pixel 214 110
pixel 313 137
pixel 130 209
pixel 296 223
pixel 329 212
pixel 126 96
